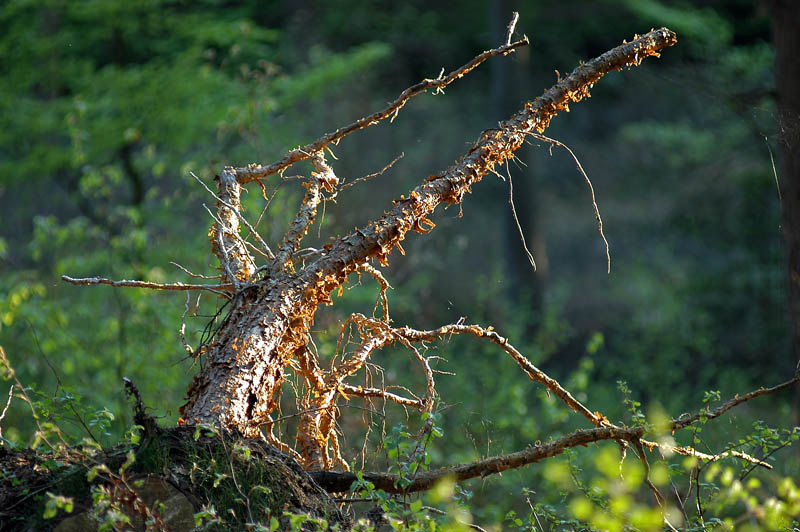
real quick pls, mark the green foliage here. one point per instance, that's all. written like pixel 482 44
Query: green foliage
pixel 55 503
pixel 100 125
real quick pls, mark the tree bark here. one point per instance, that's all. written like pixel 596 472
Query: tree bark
pixel 266 328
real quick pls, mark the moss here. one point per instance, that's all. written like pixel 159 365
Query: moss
pixel 28 477
pixel 245 481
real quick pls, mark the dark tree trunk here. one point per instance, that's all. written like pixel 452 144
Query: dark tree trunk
pixel 510 83
pixel 787 72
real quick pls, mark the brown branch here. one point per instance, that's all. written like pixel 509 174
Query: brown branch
pixel 339 482
pixel 216 288
pixel 254 171
pixel 278 320
pixel 683 422
pixel 316 428
pixel 530 370
pixel 646 464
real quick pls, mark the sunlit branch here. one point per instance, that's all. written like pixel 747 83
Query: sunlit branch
pixel 216 288
pixel 252 172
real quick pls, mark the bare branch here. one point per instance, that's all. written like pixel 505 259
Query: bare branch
pixel 511 25
pixel 334 482
pixel 495 146
pixel 532 371
pixel 5 410
pixel 348 389
pixel 270 327
pixel 337 482
pixel 224 258
pixel 384 286
pixel 254 171
pixel 646 464
pixel 216 288
pixel 516 219
pixel 684 422
pixel 690 451
pixel 192 274
pixel 226 243
pixel 182 330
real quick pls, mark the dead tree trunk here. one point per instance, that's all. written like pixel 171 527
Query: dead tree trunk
pixel 267 327
pixel 271 301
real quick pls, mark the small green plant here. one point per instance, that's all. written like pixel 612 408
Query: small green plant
pixel 634 407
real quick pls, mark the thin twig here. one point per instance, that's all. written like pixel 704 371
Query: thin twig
pixel 774 171
pixel 60 385
pixel 591 190
pixel 384 286
pixel 5 410
pixel 370 176
pixel 224 256
pixel 182 330
pixel 40 433
pixel 646 464
pixel 265 248
pixel 516 219
pixel 192 274
pixel 691 451
pixel 766 456
pixel 349 389
pixel 532 371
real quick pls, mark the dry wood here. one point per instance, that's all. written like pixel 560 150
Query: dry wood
pixel 265 333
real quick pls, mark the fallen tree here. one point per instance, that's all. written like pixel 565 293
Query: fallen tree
pixel 273 292
pixel 272 299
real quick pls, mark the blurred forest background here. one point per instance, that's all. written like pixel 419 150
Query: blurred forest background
pixel 107 106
